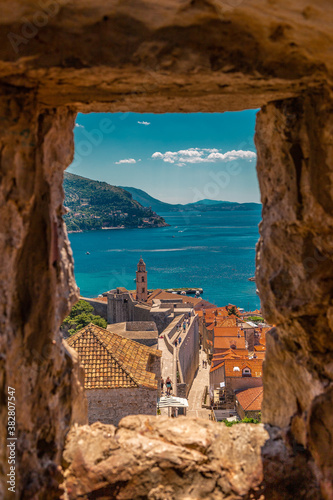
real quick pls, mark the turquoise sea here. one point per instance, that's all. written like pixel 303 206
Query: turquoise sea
pixel 212 250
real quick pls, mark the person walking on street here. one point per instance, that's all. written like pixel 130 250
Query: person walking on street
pixel 176 343
pixel 184 326
pixel 162 385
pixel 179 340
pixel 168 384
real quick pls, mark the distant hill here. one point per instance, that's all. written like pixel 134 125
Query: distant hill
pixel 148 201
pixel 203 205
pixel 97 205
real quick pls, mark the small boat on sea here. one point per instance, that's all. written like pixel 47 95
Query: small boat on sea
pixel 87 253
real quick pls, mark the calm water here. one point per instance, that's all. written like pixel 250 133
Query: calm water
pixel 214 251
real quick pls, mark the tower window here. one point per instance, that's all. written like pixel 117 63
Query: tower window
pixel 143 279
pixel 143 290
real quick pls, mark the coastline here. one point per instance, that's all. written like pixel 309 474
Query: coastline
pixel 117 227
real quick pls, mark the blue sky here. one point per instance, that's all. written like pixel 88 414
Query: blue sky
pixel 177 158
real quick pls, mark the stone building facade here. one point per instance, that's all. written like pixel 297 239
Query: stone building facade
pixel 121 375
pixel 121 307
pixel 110 406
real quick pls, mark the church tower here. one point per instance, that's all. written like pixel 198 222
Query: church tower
pixel 141 282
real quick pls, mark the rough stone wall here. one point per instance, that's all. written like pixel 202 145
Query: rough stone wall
pixel 37 289
pixel 184 458
pixel 294 270
pixel 109 406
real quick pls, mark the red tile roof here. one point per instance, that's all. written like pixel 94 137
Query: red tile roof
pixel 111 361
pixel 101 299
pixel 228 342
pixel 161 294
pixel 229 331
pixel 255 366
pixel 229 321
pixel 251 399
pixel 260 355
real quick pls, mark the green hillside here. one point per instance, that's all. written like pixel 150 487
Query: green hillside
pixel 96 205
pixel 148 201
pixel 202 206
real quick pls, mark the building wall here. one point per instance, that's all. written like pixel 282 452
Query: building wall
pixel 215 378
pixel 162 319
pixel 100 308
pixel 188 352
pixel 232 384
pixel 141 312
pixel 240 383
pixel 247 414
pixel 149 342
pixel 109 406
pixel 240 410
pixel 140 326
pixel 119 308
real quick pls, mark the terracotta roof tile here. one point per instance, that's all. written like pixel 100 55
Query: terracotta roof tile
pixel 228 342
pixel 100 299
pixel 229 331
pixel 251 399
pixel 255 366
pixel 260 355
pixel 111 361
pixel 231 321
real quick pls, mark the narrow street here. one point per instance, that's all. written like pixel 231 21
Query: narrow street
pixel 195 396
pixel 200 381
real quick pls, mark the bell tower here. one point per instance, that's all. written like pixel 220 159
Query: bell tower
pixel 141 282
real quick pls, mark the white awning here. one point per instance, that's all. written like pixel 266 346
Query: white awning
pixel 166 401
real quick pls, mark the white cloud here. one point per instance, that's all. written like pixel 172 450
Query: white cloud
pixel 203 155
pixel 144 123
pixel 78 125
pixel 126 160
